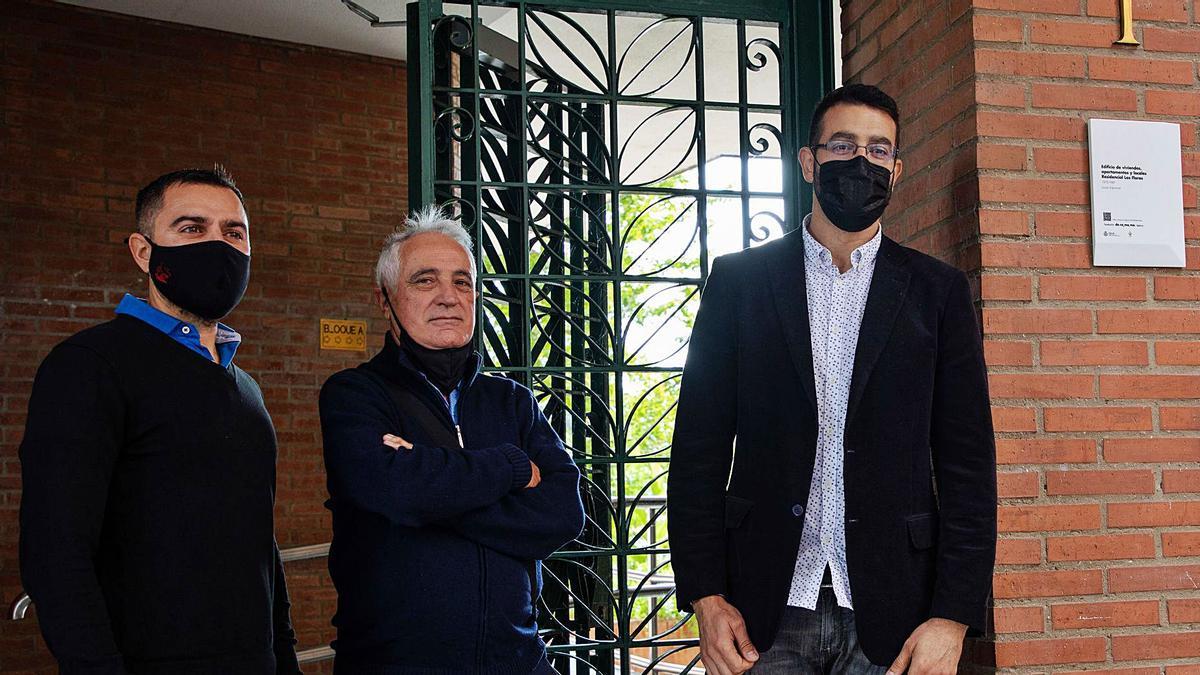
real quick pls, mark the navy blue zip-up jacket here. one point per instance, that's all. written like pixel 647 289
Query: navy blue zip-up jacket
pixel 436 550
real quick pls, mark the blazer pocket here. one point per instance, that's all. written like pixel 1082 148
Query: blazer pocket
pixel 922 530
pixel 736 509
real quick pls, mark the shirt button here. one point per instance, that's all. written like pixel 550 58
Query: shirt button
pixel 797 510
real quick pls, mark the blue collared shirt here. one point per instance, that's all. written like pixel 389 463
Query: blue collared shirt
pixel 181 331
pixel 452 401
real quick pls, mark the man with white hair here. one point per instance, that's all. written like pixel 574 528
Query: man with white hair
pixel 447 486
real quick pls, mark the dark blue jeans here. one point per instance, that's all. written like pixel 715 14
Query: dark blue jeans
pixel 816 641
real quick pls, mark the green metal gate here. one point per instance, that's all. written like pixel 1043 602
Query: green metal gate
pixel 602 155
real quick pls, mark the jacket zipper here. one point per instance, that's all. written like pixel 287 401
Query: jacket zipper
pixel 445 408
pixel 483 582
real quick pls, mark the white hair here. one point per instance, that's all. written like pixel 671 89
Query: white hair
pixel 432 218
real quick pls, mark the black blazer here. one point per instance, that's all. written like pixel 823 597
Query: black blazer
pixel 920 467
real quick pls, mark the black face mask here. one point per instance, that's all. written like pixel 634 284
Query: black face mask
pixel 445 368
pixel 853 192
pixel 207 279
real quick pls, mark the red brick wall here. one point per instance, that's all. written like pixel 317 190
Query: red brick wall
pixel 920 53
pixel 1095 372
pixel 94 105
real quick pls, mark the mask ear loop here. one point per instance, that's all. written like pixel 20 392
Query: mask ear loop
pixel 816 166
pixel 892 172
pixel 392 310
pixel 148 241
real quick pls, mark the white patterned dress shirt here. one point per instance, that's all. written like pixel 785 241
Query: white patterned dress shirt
pixel 836 302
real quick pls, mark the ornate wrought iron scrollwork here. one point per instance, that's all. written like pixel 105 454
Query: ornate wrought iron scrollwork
pixel 546 58
pixel 644 142
pixel 678 214
pixel 576 145
pixel 759 144
pixel 762 233
pixel 458 32
pixel 686 35
pixel 556 133
pixel 561 245
pixel 452 124
pixel 756 53
pixel 463 210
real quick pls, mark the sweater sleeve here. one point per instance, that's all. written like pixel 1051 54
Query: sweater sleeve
pixel 284 635
pixel 73 435
pixel 530 524
pixel 408 487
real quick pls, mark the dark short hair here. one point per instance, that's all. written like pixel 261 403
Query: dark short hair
pixel 854 94
pixel 150 198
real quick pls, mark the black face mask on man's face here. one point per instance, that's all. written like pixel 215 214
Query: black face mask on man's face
pixel 207 279
pixel 853 193
pixel 445 368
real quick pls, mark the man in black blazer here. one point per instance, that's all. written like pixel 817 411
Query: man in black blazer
pixel 854 526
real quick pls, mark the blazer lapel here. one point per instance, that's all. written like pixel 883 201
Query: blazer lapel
pixel 791 302
pixel 889 286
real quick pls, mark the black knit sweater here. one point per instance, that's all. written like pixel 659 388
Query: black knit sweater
pixel 146 516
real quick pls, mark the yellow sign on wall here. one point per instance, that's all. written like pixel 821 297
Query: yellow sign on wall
pixel 347 335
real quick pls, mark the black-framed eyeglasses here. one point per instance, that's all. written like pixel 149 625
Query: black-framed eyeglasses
pixel 879 152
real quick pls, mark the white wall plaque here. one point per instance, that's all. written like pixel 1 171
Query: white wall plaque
pixel 1137 193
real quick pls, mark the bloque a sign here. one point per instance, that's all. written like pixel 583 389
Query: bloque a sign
pixel 346 335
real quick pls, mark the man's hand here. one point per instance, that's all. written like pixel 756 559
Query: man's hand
pixel 536 478
pixel 933 649
pixel 395 442
pixel 725 646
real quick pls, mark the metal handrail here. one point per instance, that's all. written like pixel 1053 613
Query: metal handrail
pixel 304 552
pixel 315 654
pixel 20 606
pixel 660 583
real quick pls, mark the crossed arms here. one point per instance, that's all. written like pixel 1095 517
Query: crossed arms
pixel 480 493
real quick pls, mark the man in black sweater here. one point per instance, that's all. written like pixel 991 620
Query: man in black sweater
pixel 148 465
pixel 447 487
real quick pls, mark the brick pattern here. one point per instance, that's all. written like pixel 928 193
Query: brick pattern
pixel 1100 516
pixel 1094 377
pixel 920 52
pixel 97 104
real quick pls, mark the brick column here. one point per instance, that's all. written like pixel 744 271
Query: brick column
pixel 1095 372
